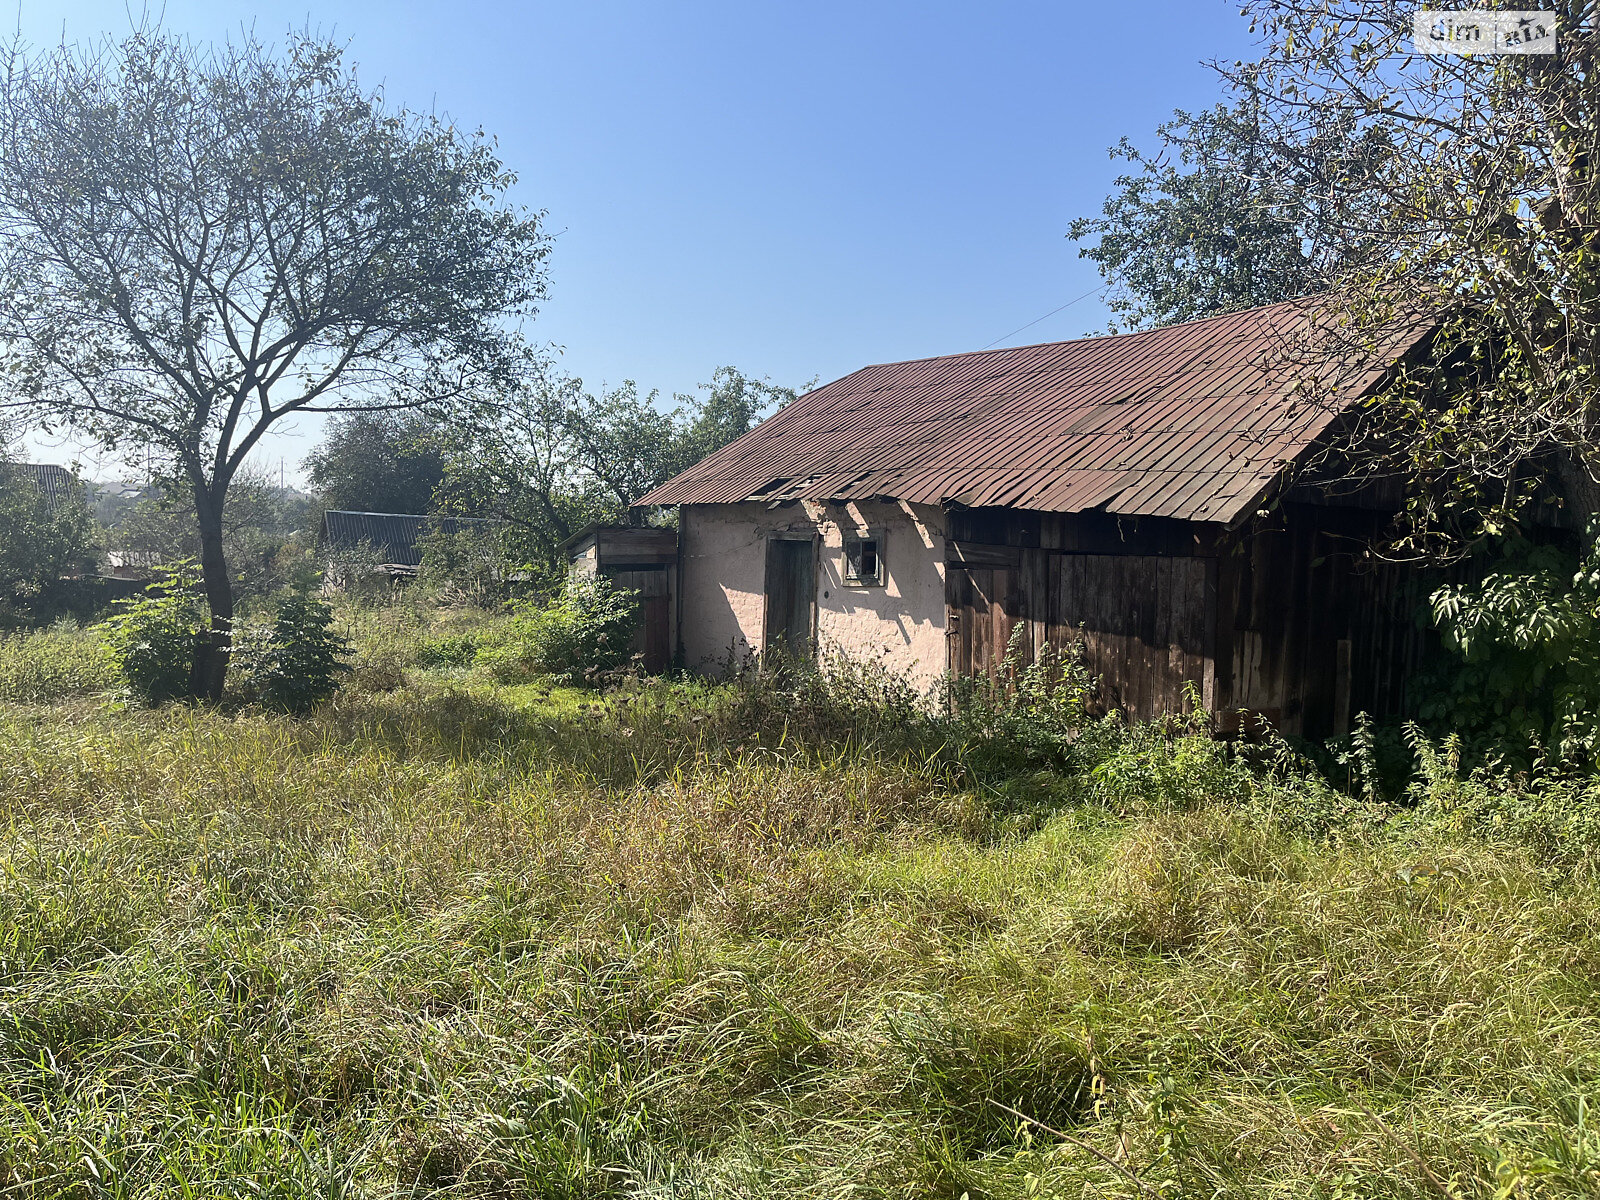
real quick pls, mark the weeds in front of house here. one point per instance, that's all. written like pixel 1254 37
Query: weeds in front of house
pixel 800 935
pixel 55 663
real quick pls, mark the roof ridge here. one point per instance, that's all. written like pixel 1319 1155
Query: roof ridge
pixel 1088 337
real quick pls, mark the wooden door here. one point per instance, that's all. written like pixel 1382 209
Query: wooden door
pixel 791 590
pixel 653 638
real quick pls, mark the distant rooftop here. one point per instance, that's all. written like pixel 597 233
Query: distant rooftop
pixel 54 481
pixel 394 535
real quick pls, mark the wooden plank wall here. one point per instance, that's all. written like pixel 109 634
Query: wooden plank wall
pixel 1143 622
pixel 654 636
pixel 1289 619
pixel 1301 596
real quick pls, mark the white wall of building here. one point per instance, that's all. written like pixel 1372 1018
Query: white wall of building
pixel 722 557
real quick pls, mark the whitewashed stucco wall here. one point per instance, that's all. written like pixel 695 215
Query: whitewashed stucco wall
pixel 723 565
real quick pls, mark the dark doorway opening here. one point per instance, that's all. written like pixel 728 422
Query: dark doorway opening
pixel 791 595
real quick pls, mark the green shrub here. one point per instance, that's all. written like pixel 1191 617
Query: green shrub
pixel 152 640
pixel 1157 773
pixel 1526 681
pixel 36 668
pixel 293 664
pixel 459 650
pixel 1033 713
pixel 589 628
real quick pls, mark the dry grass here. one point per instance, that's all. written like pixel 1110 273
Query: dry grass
pixel 447 940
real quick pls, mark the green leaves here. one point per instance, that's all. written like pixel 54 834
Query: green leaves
pixel 294 664
pixel 1527 640
pixel 198 241
pixel 589 628
pixel 1216 219
pixel 46 549
pixel 151 641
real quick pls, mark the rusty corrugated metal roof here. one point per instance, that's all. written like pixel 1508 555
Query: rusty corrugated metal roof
pixel 397 537
pixel 1192 421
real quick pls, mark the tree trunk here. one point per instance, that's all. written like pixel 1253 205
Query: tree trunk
pixel 212 648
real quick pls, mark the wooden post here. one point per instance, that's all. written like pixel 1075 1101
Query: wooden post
pixel 1341 687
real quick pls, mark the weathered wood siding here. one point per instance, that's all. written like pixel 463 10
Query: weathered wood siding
pixel 643 560
pixel 1144 622
pixel 1313 628
pixel 653 639
pixel 1289 619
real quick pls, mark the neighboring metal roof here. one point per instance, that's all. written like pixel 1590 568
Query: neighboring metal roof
pixel 394 535
pixel 1192 421
pixel 55 482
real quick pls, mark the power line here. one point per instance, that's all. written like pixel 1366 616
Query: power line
pixel 1046 317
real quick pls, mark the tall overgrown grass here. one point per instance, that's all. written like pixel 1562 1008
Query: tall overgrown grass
pixel 51 664
pixel 797 936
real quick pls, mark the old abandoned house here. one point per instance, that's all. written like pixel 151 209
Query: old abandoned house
pixel 1128 493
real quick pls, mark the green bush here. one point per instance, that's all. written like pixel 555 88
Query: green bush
pixel 1526 681
pixel 589 628
pixel 1033 713
pixel 459 650
pixel 293 664
pixel 1156 773
pixel 152 640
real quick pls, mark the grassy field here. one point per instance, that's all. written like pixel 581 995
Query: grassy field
pixel 448 937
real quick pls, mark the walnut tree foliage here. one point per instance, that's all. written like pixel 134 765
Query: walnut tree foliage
pixel 1216 219
pixel 1527 641
pixel 199 242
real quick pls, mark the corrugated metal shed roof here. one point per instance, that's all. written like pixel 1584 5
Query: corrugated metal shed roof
pixel 394 535
pixel 1191 421
pixel 55 482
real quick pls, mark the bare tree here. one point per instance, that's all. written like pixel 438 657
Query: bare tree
pixel 196 243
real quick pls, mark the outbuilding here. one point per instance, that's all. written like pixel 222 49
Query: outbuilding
pixel 1138 495
pixel 386 543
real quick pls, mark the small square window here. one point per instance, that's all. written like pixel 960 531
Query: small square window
pixel 863 559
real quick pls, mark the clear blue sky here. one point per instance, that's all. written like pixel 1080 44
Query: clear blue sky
pixel 795 189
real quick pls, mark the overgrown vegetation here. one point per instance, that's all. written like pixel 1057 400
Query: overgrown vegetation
pixel 151 640
pixel 51 664
pixel 294 663
pixel 588 628
pixel 1526 679
pixel 47 549
pixel 794 935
